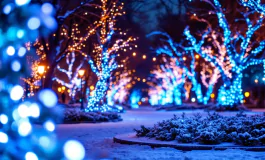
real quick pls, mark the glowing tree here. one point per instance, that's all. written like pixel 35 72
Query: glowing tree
pixel 255 5
pixel 187 59
pixel 135 98
pixel 20 139
pixel 240 49
pixel 110 41
pixel 119 89
pixel 70 36
pixel 172 79
pixel 73 82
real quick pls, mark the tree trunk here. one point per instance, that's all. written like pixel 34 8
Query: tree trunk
pixel 49 75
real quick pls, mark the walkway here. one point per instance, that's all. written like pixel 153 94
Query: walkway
pixel 97 139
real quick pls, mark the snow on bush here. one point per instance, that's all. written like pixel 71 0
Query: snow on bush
pixel 212 129
pixel 76 115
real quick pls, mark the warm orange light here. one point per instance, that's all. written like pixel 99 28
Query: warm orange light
pixel 81 72
pixel 92 87
pixel 154 59
pixel 256 81
pixel 138 79
pixel 63 88
pixel 139 103
pixel 144 80
pixel 197 56
pixel 59 89
pixel 41 69
pixel 247 94
pixel 212 95
pixel 68 91
pixel 184 58
pixel 91 93
pixel 134 54
pixel 144 56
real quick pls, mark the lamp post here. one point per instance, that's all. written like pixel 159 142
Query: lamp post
pixel 81 73
pixel 41 70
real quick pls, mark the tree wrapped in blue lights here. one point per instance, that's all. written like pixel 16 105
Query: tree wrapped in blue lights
pixel 238 51
pixel 19 138
pixel 169 82
pixel 135 98
pixel 188 60
pixel 111 41
pixel 254 5
pixel 119 89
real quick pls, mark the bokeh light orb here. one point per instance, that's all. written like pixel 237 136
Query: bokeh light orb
pixel 48 98
pixel 73 150
pixel 16 66
pixel 22 51
pixel 16 93
pixel 21 2
pixel 34 23
pixel 3 137
pixel 3 119
pixel 24 128
pixel 31 156
pixel 49 125
pixel 10 50
pixel 47 8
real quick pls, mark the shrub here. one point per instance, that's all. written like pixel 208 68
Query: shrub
pixel 212 129
pixel 76 115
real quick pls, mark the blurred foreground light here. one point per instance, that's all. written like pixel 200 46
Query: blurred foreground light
pixel 73 150
pixel 3 137
pixel 22 51
pixel 24 128
pixel 16 93
pixel 3 119
pixel 10 50
pixel 22 2
pixel 212 95
pixel 48 98
pixel 34 23
pixel 23 111
pixel 7 9
pixel 20 34
pixel 193 99
pixel 50 22
pixel 44 141
pixel 31 156
pixel 47 8
pixel 16 66
pixel 49 125
pixel 34 110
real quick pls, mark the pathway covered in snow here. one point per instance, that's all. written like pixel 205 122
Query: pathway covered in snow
pixel 97 139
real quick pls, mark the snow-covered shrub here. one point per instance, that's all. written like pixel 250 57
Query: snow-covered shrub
pixel 212 129
pixel 76 115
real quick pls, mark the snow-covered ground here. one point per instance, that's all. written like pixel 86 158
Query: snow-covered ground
pixel 97 139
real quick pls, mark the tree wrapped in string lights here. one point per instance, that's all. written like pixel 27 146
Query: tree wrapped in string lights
pixel 119 89
pixel 187 59
pixel 170 81
pixel 71 35
pixel 20 139
pixel 73 82
pixel 240 50
pixel 111 42
pixel 255 5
